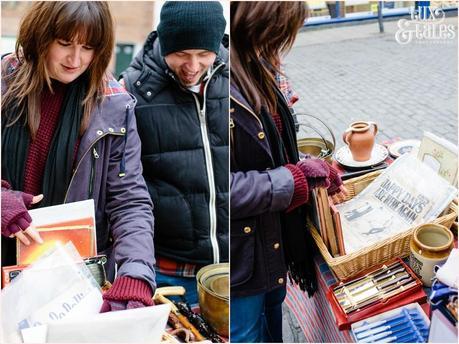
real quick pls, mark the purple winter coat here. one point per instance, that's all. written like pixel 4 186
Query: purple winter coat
pixel 108 169
pixel 123 206
pixel 259 193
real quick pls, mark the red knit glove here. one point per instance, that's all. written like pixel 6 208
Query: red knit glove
pixel 335 181
pixel 15 216
pixel 127 293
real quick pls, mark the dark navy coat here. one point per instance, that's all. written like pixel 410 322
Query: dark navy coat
pixel 184 155
pixel 259 193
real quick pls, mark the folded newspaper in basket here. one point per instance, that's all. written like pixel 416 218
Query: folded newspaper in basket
pixel 406 194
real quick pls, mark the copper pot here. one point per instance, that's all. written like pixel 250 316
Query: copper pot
pixel 213 294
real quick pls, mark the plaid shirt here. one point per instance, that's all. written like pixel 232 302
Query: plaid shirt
pixel 286 88
pixel 171 268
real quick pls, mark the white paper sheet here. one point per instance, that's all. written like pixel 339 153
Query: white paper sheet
pixel 62 213
pixel 441 330
pixel 35 334
pixel 140 325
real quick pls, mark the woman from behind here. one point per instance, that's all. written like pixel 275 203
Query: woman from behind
pixel 269 184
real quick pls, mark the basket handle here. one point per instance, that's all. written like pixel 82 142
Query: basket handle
pixel 326 126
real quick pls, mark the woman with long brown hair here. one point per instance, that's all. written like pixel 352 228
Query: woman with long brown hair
pixel 269 184
pixel 69 134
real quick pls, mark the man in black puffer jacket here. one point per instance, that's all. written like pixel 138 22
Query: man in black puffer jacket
pixel 180 79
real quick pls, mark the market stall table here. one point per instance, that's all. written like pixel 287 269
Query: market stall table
pixel 314 315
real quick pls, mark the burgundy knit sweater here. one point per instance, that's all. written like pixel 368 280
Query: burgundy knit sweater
pixel 38 149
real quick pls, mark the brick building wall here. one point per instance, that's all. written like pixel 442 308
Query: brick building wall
pixel 134 20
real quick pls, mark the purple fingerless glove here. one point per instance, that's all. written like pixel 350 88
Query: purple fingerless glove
pixel 15 216
pixel 335 181
pixel 316 172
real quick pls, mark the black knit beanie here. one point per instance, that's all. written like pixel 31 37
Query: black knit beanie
pixel 191 25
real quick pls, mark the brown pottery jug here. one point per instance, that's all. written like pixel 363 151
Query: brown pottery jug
pixel 360 137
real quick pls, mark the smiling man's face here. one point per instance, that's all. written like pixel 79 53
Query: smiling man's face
pixel 190 65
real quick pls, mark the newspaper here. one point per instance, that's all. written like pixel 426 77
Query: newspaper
pixel 406 194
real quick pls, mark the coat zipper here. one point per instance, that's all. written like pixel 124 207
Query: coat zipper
pixel 209 168
pixel 91 146
pixel 231 125
pixel 93 171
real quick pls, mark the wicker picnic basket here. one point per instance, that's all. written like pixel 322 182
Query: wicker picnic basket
pixel 396 246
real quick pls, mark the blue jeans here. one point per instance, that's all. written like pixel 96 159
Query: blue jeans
pixel 257 318
pixel 189 283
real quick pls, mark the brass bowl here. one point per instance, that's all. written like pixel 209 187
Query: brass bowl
pixel 213 294
pixel 317 147
pixel 220 285
pixel 209 278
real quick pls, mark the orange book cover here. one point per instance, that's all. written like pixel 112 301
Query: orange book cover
pixel 81 235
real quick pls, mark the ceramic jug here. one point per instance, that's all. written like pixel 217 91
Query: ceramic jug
pixel 360 137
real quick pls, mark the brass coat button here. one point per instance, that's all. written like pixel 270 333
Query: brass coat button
pixel 276 245
pixel 280 281
pixel 247 230
pixel 261 135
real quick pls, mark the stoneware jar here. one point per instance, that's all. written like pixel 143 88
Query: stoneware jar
pixel 430 245
pixel 360 137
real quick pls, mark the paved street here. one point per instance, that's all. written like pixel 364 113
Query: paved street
pixel 344 74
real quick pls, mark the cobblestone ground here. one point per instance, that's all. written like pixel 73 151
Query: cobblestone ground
pixel 355 73
pixel 344 74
